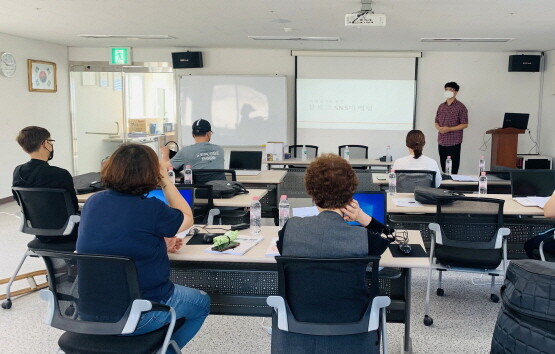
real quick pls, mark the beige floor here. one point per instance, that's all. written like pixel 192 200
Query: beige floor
pixel 463 319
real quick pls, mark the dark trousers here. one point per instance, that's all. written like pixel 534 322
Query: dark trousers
pixel 455 153
pixel 533 244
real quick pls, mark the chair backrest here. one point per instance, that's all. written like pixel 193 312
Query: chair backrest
pixel 408 180
pixel 46 211
pixel 201 176
pixel 468 222
pixel 93 294
pixel 297 151
pixel 338 288
pixel 355 151
pixel 200 211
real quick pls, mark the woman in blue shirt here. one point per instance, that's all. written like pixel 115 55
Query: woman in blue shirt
pixel 124 221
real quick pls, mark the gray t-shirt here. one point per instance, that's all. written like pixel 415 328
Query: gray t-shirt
pixel 201 156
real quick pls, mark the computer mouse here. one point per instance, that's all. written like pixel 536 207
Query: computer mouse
pixel 405 249
pixel 208 238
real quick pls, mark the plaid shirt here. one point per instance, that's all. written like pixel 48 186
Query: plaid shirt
pixel 451 116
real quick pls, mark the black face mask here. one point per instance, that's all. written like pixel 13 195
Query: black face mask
pixel 51 156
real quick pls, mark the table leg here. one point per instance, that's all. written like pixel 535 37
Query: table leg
pixel 407 341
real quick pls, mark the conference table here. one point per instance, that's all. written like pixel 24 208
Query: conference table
pixel 238 201
pixel 354 162
pixel 495 184
pixel 271 180
pixel 523 221
pixel 239 285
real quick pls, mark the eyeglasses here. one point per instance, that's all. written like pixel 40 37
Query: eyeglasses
pixel 50 140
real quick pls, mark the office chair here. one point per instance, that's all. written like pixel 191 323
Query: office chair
pixel 96 300
pixel 349 315
pixel 468 236
pixel 201 176
pixel 220 216
pixel 408 180
pixel 355 151
pixel 546 255
pixel 45 212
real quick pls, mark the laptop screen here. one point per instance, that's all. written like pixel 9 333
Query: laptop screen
pixel 186 192
pixel 245 160
pixel 532 183
pixel 373 203
pixel 516 120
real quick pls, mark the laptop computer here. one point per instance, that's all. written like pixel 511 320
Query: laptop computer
pixel 373 203
pixel 187 193
pixel 532 183
pixel 245 163
pixel 516 120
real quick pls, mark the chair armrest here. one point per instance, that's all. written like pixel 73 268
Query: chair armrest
pixel 46 295
pixel 437 232
pixel 19 214
pixel 501 233
pixel 137 308
pixel 278 304
pixel 378 303
pixel 211 214
pixel 73 220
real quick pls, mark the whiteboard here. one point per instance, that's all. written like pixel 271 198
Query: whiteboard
pixel 243 110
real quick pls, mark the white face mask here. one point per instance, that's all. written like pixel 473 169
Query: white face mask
pixel 448 94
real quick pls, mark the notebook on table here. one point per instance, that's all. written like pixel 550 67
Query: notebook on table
pixel 187 193
pixel 373 203
pixel 245 163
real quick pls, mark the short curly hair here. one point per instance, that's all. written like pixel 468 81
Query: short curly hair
pixel 330 181
pixel 132 169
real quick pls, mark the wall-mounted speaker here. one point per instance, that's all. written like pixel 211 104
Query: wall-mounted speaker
pixel 186 60
pixel 527 63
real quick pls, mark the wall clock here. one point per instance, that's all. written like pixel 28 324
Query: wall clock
pixel 7 64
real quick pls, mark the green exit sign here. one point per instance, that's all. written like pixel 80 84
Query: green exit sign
pixel 120 56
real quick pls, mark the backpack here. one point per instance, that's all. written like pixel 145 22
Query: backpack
pixel 429 195
pixel 222 189
pixel 526 321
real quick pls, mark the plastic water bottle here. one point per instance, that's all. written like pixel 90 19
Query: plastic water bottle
pixel 482 165
pixel 388 154
pixel 188 175
pixel 448 165
pixel 256 215
pixel 171 174
pixel 346 153
pixel 284 211
pixel 304 153
pixel 483 184
pixel 392 182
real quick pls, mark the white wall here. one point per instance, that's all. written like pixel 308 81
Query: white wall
pixel 20 108
pixel 547 136
pixel 488 90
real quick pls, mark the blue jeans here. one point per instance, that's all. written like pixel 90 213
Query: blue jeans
pixel 190 303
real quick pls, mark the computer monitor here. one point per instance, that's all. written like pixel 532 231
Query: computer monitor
pixel 532 183
pixel 516 120
pixel 245 160
pixel 186 192
pixel 373 203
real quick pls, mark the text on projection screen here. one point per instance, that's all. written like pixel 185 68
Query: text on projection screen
pixel 355 104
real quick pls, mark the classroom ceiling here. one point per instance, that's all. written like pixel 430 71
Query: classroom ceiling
pixel 228 23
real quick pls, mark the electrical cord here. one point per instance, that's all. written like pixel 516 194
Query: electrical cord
pixel 267 328
pixel 401 237
pixel 535 146
pixel 485 142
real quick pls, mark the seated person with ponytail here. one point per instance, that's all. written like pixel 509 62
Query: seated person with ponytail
pixel 415 160
pixel 331 182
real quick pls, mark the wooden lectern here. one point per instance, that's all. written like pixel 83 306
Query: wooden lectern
pixel 503 146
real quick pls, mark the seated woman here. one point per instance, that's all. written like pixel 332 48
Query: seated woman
pixel 415 160
pixel 124 221
pixel 331 182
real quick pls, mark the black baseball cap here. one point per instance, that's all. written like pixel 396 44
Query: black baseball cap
pixel 201 126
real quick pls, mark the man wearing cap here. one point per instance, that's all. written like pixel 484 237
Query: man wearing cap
pixel 202 154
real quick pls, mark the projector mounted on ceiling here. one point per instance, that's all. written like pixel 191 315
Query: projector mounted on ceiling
pixel 365 17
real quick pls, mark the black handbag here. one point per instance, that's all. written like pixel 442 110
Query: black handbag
pixel 429 195
pixel 222 189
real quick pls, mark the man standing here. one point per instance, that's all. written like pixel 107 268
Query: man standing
pixel 201 155
pixel 36 141
pixel 451 119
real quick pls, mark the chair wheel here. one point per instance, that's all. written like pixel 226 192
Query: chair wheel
pixel 428 321
pixel 7 304
pixel 440 292
pixel 494 298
